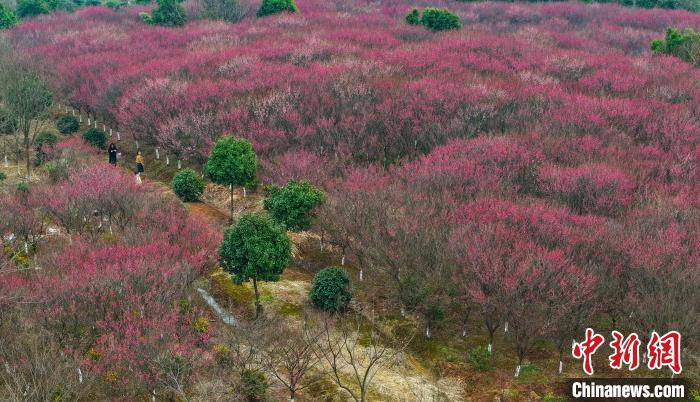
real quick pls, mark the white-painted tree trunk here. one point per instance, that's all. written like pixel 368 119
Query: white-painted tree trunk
pixel 104 128
pixel 6 163
pixel 110 132
pixel 561 366
pixel 89 121
pixel 167 160
pixel 464 333
pixel 153 396
pixel 137 144
pixel 505 328
pixel 342 260
pixel 26 248
pixel 73 112
pixel 157 154
pixel 490 348
pixel 95 123
pixel 80 376
pixel 427 331
pixel 80 118
pixel 179 165
pixel 517 371
pixel 119 137
pixel 361 276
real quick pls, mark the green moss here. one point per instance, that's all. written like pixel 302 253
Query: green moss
pixel 239 294
pixel 290 310
pixel 530 374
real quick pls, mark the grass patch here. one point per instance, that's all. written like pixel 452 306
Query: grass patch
pixel 434 351
pixel 530 374
pixel 291 310
pixel 223 286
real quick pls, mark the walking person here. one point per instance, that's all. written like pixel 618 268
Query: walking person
pixel 139 167
pixel 112 154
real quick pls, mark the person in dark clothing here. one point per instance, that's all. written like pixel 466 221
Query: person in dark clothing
pixel 112 154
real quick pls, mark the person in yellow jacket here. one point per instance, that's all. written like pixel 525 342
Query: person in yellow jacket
pixel 139 166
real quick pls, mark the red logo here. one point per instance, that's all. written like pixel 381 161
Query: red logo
pixel 665 351
pixel 662 351
pixel 587 349
pixel 625 351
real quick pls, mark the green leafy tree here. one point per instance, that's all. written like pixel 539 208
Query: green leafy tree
pixel 292 205
pixel 440 19
pixel 413 17
pixel 46 138
pixel 67 124
pixel 28 98
pixel 330 289
pixel 7 17
pixel 188 185
pixel 232 162
pixel 168 13
pixel 255 248
pixel 269 7
pixel 31 8
pixel 95 138
pixel 684 44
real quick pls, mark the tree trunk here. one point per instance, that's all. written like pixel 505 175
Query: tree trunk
pixel 258 306
pixel 231 218
pixel 26 154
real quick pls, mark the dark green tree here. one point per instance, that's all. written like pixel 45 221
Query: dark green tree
pixel 330 289
pixel 7 17
pixel 95 138
pixel 31 8
pixel 269 7
pixel 413 17
pixel 440 19
pixel 169 13
pixel 232 162
pixel 255 248
pixel 292 205
pixel 187 185
pixel 67 124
